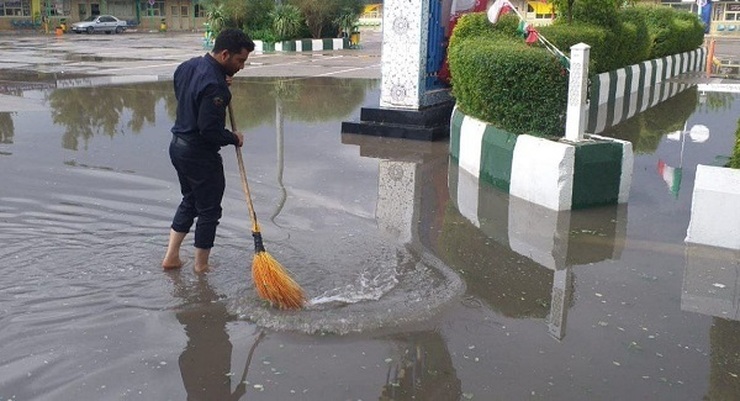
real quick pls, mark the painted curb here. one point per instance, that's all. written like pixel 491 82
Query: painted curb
pixel 620 94
pixel 558 175
pixel 715 217
pixel 302 45
pixel 555 240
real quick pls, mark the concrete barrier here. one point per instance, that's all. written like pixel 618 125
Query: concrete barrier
pixel 715 217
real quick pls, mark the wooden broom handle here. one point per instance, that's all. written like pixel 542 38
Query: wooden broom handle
pixel 243 173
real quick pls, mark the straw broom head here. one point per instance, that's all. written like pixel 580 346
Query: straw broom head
pixel 273 282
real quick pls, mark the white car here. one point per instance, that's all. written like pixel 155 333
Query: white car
pixel 100 23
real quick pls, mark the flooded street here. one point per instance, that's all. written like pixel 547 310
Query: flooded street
pixel 423 284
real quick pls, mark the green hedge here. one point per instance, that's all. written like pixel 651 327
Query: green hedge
pixel 672 31
pixel 735 159
pixel 518 88
pixel 497 78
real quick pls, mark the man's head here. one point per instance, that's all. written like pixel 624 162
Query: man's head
pixel 231 49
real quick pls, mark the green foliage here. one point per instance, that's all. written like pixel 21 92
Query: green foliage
pixel 215 17
pixel 321 15
pixel 265 35
pixel 636 34
pixel 735 159
pixel 477 25
pixel 601 13
pixel 634 46
pixel 515 87
pixel 248 15
pixel 671 31
pixel 287 21
pixel 563 36
pixel 347 19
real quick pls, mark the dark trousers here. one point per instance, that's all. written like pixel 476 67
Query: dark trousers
pixel 202 183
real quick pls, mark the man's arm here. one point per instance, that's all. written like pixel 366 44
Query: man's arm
pixel 211 117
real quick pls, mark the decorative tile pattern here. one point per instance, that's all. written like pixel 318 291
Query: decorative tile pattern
pixel 403 65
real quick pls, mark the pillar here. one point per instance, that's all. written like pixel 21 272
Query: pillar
pixel 413 104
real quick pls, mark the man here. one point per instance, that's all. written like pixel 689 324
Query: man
pixel 202 92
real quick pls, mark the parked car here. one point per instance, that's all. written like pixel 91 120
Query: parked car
pixel 100 23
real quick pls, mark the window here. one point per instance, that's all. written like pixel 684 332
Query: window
pixel 122 9
pixel 184 11
pixel 156 9
pixel 732 12
pixel 199 11
pixel 15 8
pixel 55 8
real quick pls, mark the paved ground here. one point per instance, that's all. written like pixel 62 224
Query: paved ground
pixel 135 56
pixel 159 54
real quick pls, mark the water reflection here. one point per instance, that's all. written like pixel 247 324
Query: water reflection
pixel 514 256
pixel 646 129
pixel 7 129
pixel 672 174
pixel 205 363
pixel 107 110
pixel 86 107
pixel 422 370
pixel 518 256
pixel 711 286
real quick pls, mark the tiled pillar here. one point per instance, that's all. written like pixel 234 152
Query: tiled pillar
pixel 408 107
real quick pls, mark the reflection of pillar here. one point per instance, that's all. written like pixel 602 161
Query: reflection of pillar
pixel 711 282
pixel 410 105
pixel 724 360
pixel 422 371
pixel 279 131
pixel 396 199
pixel 540 236
pixel 561 294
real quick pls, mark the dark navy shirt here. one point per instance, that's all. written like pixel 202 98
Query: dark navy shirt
pixel 202 97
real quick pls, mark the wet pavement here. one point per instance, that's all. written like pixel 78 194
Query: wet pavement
pixel 424 284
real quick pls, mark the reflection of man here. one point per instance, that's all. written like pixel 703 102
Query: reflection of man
pixel 205 363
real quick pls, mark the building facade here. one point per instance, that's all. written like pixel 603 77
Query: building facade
pixel 179 15
pixel 189 15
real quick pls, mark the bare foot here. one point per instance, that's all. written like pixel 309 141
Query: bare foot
pixel 170 263
pixel 202 269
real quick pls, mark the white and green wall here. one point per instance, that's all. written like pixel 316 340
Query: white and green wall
pixel 562 174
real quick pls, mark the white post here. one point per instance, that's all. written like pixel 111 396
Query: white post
pixel 575 122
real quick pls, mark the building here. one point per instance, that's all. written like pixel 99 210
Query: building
pixel 188 15
pixel 180 15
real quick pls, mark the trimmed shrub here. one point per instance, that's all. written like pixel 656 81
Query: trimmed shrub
pixel 515 87
pixel 735 159
pixel 601 13
pixel 563 36
pixel 672 31
pixel 477 25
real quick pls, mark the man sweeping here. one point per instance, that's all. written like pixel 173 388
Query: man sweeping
pixel 202 92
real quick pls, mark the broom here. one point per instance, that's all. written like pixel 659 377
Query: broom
pixel 271 279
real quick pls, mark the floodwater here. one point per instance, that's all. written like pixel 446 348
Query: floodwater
pixel 423 284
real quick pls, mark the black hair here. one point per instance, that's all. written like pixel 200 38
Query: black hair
pixel 233 40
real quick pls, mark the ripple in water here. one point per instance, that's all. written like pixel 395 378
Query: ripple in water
pixel 357 284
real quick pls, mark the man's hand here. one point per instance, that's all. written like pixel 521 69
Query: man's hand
pixel 240 138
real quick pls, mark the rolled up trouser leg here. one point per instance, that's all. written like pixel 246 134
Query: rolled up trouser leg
pixel 203 175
